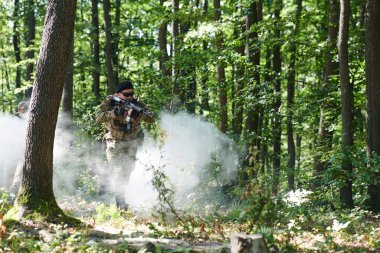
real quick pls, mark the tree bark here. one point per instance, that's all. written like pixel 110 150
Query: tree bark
pixel 238 105
pixel 29 43
pixel 111 80
pixel 253 54
pixel 264 121
pixel 116 40
pixel 372 58
pixel 95 49
pixel 204 70
pixel 36 192
pixel 325 136
pixel 221 75
pixel 16 37
pixel 67 97
pixel 347 105
pixel 163 46
pixel 175 46
pixel 189 72
pixel 290 99
pixel 277 61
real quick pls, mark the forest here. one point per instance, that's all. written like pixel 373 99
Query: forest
pixel 267 124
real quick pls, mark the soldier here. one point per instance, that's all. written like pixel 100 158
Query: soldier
pixel 22 109
pixel 122 114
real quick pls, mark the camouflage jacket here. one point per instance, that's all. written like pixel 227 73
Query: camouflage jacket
pixel 118 128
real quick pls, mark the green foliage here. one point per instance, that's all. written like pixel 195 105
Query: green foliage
pixel 5 200
pixel 85 115
pixel 111 214
pixel 244 201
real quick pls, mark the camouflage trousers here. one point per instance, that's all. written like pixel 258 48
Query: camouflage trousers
pixel 121 156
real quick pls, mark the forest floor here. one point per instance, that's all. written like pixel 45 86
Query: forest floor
pixel 108 229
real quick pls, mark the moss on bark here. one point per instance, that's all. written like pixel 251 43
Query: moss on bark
pixel 28 208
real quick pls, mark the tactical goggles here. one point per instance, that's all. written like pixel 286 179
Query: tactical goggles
pixel 128 94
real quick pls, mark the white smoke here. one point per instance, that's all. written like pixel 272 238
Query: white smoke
pixel 12 146
pixel 190 145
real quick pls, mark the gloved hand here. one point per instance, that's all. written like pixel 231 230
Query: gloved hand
pixel 135 114
pixel 119 111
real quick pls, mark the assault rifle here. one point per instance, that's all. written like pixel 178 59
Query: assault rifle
pixel 127 105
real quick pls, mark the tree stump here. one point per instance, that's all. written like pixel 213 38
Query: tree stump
pixel 248 243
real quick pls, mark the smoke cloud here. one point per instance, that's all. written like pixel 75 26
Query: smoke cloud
pixel 12 146
pixel 190 145
pixel 80 166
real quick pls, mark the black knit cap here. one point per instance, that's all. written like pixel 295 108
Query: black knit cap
pixel 124 86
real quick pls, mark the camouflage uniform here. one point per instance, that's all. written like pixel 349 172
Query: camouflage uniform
pixel 122 143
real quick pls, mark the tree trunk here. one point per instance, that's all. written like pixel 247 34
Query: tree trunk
pixel 175 45
pixel 372 38
pixel 163 46
pixel 204 70
pixel 290 89
pixel 238 105
pixel 190 71
pixel 253 54
pixel 111 80
pixel 325 136
pixel 261 119
pixel 95 49
pixel 36 192
pixel 264 121
pixel 299 152
pixel 29 43
pixel 347 105
pixel 16 46
pixel 115 41
pixel 67 98
pixel 191 89
pixel 221 75
pixel 277 101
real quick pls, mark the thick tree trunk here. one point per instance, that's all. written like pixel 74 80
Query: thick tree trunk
pixel 277 61
pixel 15 38
pixel 36 192
pixel 111 80
pixel 324 139
pixel 95 49
pixel 347 105
pixel 221 75
pixel 372 37
pixel 290 100
pixel 29 43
